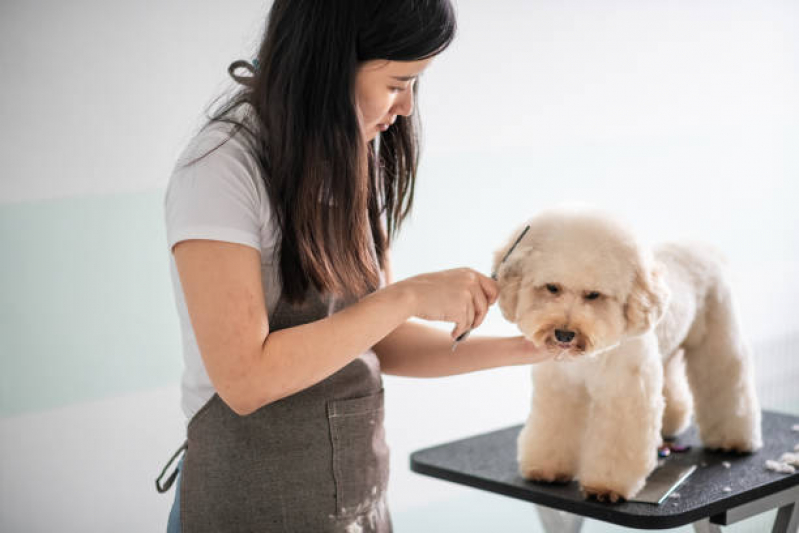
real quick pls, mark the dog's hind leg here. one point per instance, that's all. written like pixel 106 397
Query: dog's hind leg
pixel 548 446
pixel 679 402
pixel 721 374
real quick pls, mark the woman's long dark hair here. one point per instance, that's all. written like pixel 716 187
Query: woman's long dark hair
pixel 327 187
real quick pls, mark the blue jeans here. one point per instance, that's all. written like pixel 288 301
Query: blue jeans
pixel 173 525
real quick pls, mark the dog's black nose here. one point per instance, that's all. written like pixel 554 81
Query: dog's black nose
pixel 564 336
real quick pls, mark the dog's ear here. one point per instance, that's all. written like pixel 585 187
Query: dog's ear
pixel 509 277
pixel 648 299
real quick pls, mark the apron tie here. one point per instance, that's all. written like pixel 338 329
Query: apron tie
pixel 165 487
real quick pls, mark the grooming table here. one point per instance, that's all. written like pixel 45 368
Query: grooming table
pixel 488 462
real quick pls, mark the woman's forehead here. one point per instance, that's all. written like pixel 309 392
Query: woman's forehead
pixel 396 69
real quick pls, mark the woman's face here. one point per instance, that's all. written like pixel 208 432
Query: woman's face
pixel 384 89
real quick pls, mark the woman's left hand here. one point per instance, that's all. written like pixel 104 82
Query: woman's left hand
pixel 529 353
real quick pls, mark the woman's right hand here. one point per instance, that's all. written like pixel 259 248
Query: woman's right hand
pixel 460 295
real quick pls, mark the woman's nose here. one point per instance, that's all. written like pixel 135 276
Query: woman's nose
pixel 404 105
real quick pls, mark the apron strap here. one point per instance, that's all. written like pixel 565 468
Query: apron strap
pixel 165 487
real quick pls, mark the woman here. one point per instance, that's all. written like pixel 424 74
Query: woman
pixel 280 231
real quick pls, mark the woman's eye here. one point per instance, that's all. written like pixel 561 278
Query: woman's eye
pixel 552 288
pixel 592 295
pixel 396 89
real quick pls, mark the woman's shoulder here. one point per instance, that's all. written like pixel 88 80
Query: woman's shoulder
pixel 222 139
pixel 221 154
pixel 217 183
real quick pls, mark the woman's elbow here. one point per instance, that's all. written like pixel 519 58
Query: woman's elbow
pixel 244 395
pixel 236 401
pixel 243 404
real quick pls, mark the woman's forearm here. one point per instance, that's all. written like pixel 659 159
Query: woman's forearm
pixel 416 350
pixel 295 358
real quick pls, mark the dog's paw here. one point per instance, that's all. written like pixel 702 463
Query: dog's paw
pixel 602 494
pixel 544 475
pixel 740 445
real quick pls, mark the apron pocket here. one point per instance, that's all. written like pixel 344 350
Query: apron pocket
pixel 360 453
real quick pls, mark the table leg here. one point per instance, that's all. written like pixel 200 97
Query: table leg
pixel 706 526
pixel 787 519
pixel 555 521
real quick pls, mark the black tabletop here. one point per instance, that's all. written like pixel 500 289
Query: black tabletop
pixel 488 462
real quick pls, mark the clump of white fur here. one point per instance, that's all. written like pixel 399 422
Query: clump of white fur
pixel 779 467
pixel 642 321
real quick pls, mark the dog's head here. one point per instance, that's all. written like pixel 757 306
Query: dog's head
pixel 579 282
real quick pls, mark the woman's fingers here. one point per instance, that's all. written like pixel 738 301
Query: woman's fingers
pixel 461 327
pixel 481 307
pixel 485 294
pixel 466 319
pixel 532 353
pixel 490 288
pixel 481 292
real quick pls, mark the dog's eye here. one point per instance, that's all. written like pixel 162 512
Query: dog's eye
pixel 552 288
pixel 593 295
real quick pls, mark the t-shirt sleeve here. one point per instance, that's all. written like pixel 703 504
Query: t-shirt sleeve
pixel 215 198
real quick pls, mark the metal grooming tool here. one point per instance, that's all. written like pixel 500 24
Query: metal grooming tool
pixel 465 334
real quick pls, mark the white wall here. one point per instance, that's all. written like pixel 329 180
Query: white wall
pixel 681 116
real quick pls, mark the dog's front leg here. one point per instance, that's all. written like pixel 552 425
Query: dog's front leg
pixel 619 448
pixel 549 444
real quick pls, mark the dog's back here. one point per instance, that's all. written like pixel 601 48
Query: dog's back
pixel 692 270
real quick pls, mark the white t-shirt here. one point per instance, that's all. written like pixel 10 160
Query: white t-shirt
pixel 221 197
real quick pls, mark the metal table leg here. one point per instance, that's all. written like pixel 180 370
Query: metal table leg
pixel 787 519
pixel 705 526
pixel 555 521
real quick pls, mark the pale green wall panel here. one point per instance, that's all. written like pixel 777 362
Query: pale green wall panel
pixel 87 307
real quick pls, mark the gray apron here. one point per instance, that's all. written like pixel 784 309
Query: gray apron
pixel 314 461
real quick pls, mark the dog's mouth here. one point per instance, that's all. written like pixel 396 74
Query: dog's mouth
pixel 562 350
pixel 563 343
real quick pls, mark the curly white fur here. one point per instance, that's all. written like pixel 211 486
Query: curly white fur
pixel 640 321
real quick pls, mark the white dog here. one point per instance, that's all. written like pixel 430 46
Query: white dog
pixel 627 324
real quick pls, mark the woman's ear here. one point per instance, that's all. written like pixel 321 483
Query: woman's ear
pixel 509 277
pixel 648 299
